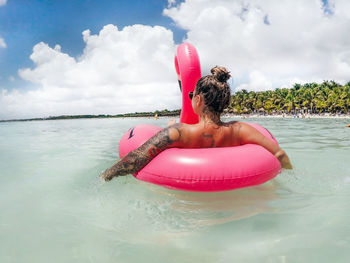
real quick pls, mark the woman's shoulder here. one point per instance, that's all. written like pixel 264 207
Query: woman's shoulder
pixel 234 124
pixel 182 132
pixel 241 128
pixel 176 135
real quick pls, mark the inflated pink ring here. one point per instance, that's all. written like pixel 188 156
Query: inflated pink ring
pixel 205 170
pixel 209 169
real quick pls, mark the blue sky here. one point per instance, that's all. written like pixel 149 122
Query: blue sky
pixel 109 57
pixel 26 23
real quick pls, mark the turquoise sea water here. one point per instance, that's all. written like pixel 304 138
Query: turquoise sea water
pixel 54 208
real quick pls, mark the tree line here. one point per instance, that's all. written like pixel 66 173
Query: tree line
pixel 312 98
pixel 158 113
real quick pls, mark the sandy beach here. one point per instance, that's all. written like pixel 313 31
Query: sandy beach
pixel 290 116
pixel 287 116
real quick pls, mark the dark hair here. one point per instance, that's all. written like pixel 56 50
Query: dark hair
pixel 215 90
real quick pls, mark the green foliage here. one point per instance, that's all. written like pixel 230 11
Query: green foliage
pixel 328 96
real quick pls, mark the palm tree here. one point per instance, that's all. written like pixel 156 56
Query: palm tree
pixel 328 96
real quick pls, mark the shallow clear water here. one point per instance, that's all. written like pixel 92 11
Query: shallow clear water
pixel 54 208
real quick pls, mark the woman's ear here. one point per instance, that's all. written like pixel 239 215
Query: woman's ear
pixel 198 100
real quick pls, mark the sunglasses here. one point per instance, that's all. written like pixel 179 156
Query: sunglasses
pixel 190 95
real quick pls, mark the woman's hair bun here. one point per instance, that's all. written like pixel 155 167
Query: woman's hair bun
pixel 220 73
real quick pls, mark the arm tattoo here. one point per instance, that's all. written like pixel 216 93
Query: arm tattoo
pixel 140 157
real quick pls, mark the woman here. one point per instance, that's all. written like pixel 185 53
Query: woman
pixel 209 99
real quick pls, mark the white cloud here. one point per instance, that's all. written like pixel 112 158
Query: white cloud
pixel 257 82
pixel 2 43
pixel 11 78
pixel 272 42
pixel 3 2
pixel 265 45
pixel 119 71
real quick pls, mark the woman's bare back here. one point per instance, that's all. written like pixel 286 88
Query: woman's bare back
pixel 208 135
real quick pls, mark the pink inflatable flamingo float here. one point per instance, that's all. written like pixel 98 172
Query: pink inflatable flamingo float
pixel 206 169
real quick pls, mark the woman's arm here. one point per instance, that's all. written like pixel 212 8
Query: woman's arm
pixel 140 157
pixel 250 135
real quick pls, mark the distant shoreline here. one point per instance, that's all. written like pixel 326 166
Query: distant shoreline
pixel 176 113
pixel 163 113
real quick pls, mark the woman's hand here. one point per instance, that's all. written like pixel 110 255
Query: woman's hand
pixel 284 159
pixel 108 174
